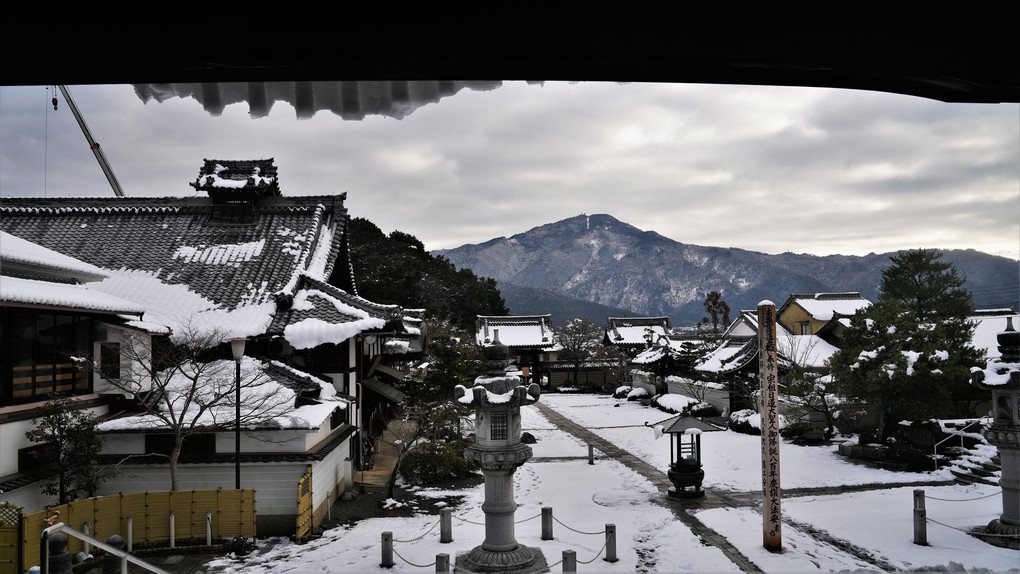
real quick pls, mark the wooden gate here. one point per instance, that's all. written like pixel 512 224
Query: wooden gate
pixel 10 538
pixel 304 505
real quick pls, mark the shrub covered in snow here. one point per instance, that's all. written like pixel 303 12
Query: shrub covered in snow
pixel 622 392
pixel 675 404
pixel 748 421
pixel 637 394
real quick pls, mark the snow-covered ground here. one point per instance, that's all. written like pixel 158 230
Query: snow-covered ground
pixel 870 531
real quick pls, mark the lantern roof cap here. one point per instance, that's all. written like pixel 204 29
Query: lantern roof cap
pixel 680 424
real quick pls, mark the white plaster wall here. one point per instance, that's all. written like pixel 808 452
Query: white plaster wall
pixel 263 441
pixel 275 484
pixel 30 498
pixel 328 473
pixel 12 438
pixel 123 444
pixel 115 334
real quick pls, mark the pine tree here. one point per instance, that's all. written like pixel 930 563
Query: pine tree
pixel 910 353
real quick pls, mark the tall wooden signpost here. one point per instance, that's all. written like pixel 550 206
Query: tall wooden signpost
pixel 768 406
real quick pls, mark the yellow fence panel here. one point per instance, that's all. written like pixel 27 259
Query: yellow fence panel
pixel 304 505
pixel 232 511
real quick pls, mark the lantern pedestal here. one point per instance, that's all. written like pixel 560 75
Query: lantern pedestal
pixel 1002 378
pixel 497 398
pixel 686 474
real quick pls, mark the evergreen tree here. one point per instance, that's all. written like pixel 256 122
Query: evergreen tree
pixel 717 309
pixel 396 269
pixel 910 353
pixel 70 451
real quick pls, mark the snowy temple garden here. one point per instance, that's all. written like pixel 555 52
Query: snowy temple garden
pixel 860 518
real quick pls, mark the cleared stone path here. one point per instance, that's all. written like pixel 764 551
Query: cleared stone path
pixel 659 479
pixel 714 499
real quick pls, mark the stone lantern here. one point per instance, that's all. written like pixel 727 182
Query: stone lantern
pixel 1002 377
pixel 685 470
pixel 498 398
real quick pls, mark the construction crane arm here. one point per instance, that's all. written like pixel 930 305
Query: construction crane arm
pixel 93 144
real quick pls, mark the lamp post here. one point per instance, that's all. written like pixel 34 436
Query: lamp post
pixel 237 348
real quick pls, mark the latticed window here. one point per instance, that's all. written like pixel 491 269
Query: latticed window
pixel 38 350
pixel 500 429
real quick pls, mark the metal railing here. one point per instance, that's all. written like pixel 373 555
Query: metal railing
pixel 44 549
pixel 958 433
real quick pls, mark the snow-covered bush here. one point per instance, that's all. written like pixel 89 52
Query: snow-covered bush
pixel 637 394
pixel 675 404
pixel 748 421
pixel 622 392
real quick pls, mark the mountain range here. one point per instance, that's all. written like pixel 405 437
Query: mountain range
pixel 597 266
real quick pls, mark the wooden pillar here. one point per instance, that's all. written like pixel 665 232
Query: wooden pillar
pixel 768 406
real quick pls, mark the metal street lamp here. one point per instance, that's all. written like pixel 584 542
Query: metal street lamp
pixel 237 348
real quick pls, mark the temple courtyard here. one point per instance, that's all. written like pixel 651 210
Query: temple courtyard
pixel 838 515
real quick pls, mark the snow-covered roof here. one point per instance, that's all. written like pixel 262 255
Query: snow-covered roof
pixel 657 351
pixel 824 306
pixel 630 331
pixel 521 331
pixel 14 290
pixel 191 271
pixel 166 255
pixel 745 325
pixel 730 356
pixel 804 350
pixel 235 175
pixel 321 313
pixel 268 398
pixel 35 259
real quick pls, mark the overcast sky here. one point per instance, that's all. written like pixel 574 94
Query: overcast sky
pixel 768 169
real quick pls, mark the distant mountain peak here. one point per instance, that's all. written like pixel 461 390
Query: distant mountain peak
pixel 600 259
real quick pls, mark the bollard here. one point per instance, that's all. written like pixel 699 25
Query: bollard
pixel 611 543
pixel 172 537
pixel 569 561
pixel 442 564
pixel 591 454
pixel 387 550
pixel 87 529
pixel 112 562
pixel 547 523
pixel 58 559
pixel 920 519
pixel 446 526
pixel 208 528
pixel 130 533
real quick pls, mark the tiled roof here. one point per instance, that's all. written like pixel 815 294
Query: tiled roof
pixel 173 240
pixel 21 258
pixel 630 331
pixel 521 331
pixel 29 292
pixel 321 313
pixel 731 356
pixel 823 306
pixel 258 176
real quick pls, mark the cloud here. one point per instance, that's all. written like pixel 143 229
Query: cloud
pixel 763 168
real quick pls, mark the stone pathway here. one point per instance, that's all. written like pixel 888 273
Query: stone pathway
pixel 659 479
pixel 713 499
